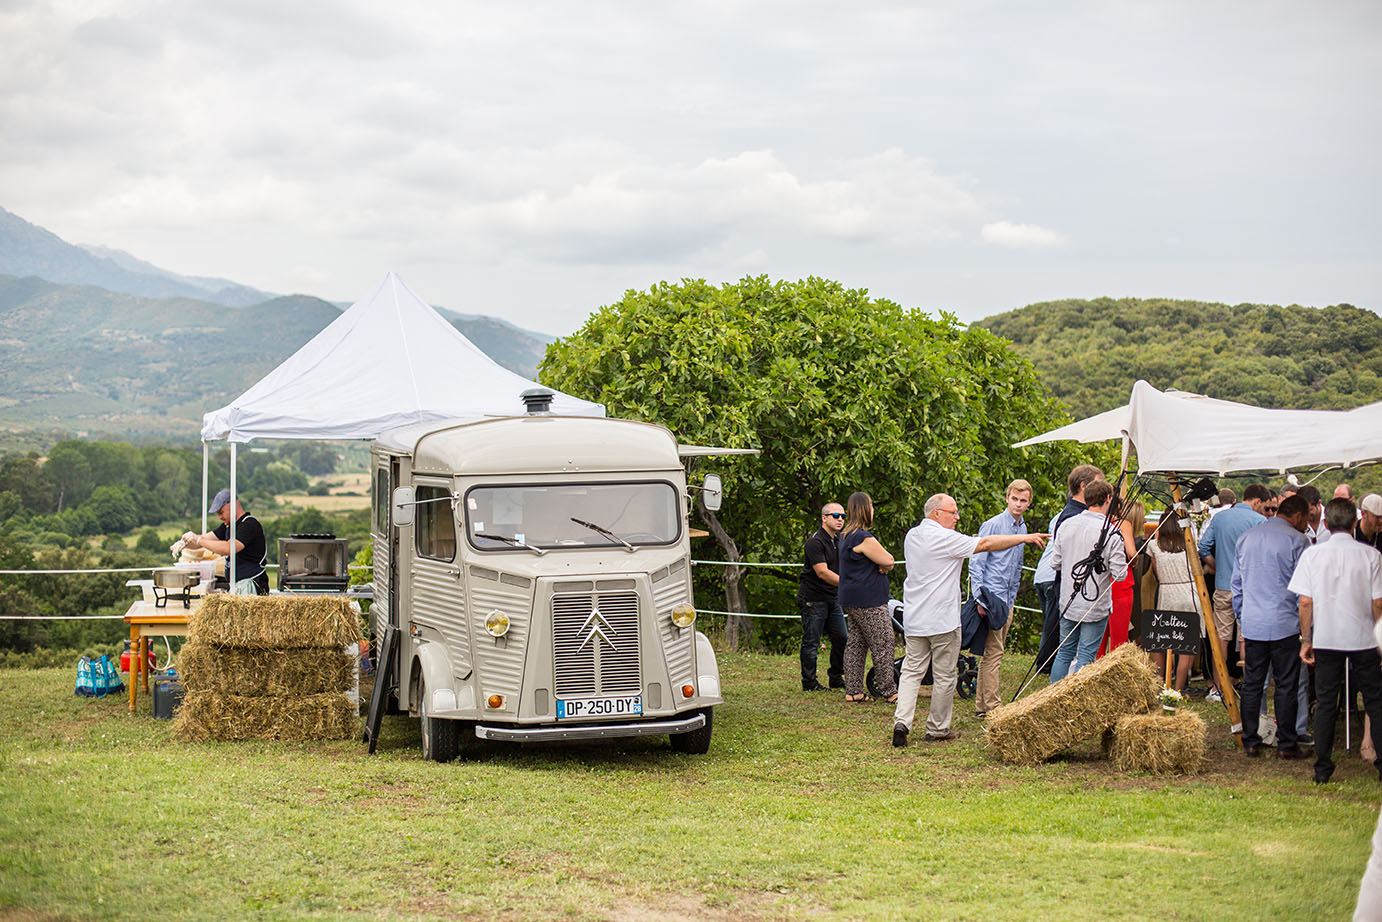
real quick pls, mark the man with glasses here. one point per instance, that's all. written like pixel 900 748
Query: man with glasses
pixel 935 552
pixel 1000 574
pixel 818 601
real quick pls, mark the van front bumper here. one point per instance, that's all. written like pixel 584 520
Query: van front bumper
pixel 591 731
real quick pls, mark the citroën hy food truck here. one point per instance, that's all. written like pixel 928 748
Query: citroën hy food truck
pixel 534 573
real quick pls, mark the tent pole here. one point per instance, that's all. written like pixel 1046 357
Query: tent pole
pixel 206 468
pixel 1192 558
pixel 230 566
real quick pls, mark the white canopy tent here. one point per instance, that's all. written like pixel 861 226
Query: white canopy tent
pixel 1176 432
pixel 389 360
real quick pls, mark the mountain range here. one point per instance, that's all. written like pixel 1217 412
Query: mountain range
pixel 96 340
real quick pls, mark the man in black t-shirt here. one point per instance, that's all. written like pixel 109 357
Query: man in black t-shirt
pixel 251 549
pixel 817 589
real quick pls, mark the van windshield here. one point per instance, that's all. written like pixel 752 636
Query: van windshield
pixel 572 515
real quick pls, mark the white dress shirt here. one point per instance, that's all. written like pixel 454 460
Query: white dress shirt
pixel 931 592
pixel 1341 576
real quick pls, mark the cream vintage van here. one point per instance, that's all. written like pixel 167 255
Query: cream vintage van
pixel 532 582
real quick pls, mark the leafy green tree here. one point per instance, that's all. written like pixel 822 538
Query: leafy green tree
pixel 112 509
pixel 150 543
pixel 24 476
pixel 68 468
pixel 838 390
pixel 316 459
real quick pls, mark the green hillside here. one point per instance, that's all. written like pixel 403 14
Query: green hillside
pixel 1089 353
pixel 82 358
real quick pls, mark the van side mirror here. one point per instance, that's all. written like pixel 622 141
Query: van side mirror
pixel 404 503
pixel 712 492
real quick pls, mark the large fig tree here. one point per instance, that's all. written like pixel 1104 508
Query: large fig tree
pixel 840 392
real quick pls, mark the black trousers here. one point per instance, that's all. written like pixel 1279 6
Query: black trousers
pixel 1050 625
pixel 1283 658
pixel 1365 676
pixel 819 618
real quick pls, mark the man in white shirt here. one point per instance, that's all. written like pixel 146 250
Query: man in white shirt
pixel 935 552
pixel 1339 583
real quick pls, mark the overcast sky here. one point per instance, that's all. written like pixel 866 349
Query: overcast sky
pixel 535 160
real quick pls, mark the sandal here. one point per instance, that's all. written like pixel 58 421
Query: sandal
pixel 858 699
pixel 891 699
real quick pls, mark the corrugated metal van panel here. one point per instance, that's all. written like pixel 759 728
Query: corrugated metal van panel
pixel 500 662
pixel 678 645
pixel 439 603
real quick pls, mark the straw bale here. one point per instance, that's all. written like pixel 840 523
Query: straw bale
pixel 259 622
pixel 1080 706
pixel 239 671
pixel 211 716
pixel 1159 743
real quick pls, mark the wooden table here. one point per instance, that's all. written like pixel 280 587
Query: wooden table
pixel 146 621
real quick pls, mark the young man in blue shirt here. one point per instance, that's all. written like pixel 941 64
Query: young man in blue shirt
pixel 1000 572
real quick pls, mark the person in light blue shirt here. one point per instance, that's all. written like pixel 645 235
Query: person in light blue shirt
pixel 1269 622
pixel 1000 572
pixel 1218 544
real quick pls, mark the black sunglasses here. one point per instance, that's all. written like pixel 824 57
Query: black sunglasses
pixel 1269 509
pixel 834 515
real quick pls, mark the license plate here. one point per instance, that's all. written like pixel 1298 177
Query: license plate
pixel 572 708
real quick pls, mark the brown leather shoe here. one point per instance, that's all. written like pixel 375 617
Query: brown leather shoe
pixel 942 737
pixel 1252 750
pixel 1295 752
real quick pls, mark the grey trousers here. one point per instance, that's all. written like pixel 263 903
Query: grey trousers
pixel 940 653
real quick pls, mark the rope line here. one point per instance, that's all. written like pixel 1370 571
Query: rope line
pixel 271 566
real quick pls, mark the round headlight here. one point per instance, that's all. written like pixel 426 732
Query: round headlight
pixel 684 615
pixel 497 624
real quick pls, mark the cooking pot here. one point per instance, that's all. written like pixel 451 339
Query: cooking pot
pixel 173 578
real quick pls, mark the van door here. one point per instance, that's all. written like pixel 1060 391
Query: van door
pixel 438 592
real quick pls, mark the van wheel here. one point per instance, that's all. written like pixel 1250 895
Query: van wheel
pixel 695 742
pixel 440 738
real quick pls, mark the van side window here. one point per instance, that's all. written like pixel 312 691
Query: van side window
pixel 434 526
pixel 382 500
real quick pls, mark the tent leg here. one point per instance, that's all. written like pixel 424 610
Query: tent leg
pixel 230 565
pixel 206 468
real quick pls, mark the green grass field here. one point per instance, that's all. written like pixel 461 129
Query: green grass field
pixel 802 810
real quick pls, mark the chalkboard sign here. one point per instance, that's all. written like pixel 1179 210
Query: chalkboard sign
pixel 1170 630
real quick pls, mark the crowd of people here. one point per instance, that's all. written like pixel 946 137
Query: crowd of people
pixel 1294 582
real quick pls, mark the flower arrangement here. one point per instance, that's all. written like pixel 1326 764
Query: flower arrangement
pixel 1171 700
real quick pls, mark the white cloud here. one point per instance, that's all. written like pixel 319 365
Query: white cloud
pixel 1022 236
pixel 536 159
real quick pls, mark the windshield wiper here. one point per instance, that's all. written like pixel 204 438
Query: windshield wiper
pixel 513 541
pixel 602 530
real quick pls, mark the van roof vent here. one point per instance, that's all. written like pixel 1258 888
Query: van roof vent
pixel 538 400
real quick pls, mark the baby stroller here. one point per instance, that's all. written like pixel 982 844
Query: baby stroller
pixel 967 668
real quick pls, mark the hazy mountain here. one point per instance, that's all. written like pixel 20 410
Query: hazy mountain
pixel 513 347
pixel 27 249
pixel 96 339
pixel 82 358
pixel 218 291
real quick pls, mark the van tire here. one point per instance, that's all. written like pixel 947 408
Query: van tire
pixel 695 742
pixel 441 738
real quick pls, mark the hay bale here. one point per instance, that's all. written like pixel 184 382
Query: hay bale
pixel 211 716
pixel 1160 743
pixel 254 673
pixel 1075 708
pixel 258 622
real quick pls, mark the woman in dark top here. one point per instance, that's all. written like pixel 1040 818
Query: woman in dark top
pixel 864 568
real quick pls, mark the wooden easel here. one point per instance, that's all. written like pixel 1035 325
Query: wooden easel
pixel 1192 557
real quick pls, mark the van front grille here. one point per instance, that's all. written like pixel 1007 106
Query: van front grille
pixel 595 649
